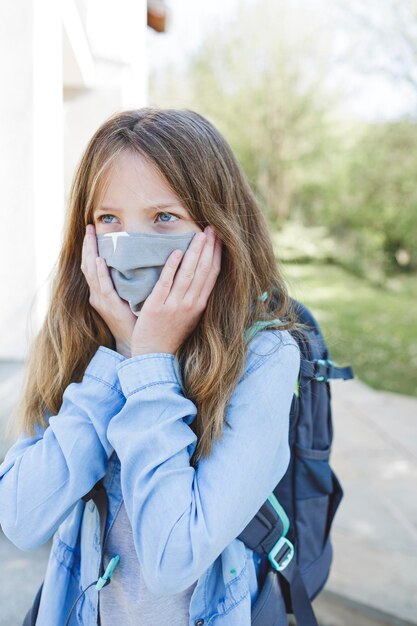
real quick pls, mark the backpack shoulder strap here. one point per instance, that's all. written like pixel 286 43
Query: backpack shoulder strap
pixel 266 532
pixel 260 325
pixel 99 496
pixel 322 370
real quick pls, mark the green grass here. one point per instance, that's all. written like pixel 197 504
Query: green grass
pixel 373 329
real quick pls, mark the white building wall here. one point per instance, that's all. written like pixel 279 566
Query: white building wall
pixel 116 33
pixel 65 67
pixel 30 161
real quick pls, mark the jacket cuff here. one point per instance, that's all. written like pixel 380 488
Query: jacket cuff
pixel 144 370
pixel 103 367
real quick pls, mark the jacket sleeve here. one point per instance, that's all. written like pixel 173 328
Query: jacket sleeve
pixel 183 518
pixel 43 477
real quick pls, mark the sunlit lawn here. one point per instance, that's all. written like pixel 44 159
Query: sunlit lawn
pixel 372 329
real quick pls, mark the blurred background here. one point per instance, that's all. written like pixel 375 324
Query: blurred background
pixel 318 99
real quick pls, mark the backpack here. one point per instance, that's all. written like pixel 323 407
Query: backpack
pixel 291 530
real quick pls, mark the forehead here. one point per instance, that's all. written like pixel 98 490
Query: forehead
pixel 131 177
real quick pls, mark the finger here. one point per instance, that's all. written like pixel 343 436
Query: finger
pixel 91 254
pixel 214 271
pixel 188 267
pixel 104 278
pixel 83 252
pixel 84 259
pixel 107 288
pixel 203 268
pixel 162 287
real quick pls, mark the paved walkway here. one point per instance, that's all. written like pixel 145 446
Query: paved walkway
pixel 375 529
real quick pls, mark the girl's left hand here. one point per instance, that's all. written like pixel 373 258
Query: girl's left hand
pixel 174 307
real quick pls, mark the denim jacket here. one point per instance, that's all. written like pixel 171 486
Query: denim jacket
pixel 130 415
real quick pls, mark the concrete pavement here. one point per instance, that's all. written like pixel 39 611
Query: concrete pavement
pixel 375 529
pixel 21 574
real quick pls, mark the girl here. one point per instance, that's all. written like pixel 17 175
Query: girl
pixel 149 373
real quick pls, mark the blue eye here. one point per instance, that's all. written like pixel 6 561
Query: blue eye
pixel 165 213
pixel 100 218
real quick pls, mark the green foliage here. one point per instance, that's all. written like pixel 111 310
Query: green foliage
pixel 265 89
pixel 372 329
pixel 375 196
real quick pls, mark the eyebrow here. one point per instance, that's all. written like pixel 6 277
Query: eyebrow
pixel 162 205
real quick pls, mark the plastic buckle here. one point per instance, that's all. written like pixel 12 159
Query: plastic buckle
pixel 285 558
pixel 325 367
pixel 105 579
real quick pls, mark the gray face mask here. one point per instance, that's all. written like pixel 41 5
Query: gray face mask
pixel 136 260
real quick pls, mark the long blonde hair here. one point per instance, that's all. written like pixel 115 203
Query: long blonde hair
pixel 199 165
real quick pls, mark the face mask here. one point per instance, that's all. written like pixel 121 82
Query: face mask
pixel 136 260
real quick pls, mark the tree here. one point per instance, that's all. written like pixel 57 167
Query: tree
pixel 261 80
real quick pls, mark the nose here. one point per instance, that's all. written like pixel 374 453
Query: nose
pixel 137 225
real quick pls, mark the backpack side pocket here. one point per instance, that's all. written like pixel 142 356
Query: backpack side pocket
pixel 318 494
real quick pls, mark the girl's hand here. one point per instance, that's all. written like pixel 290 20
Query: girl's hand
pixel 173 308
pixel 104 298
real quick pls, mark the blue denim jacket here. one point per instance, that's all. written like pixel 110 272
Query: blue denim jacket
pixel 129 415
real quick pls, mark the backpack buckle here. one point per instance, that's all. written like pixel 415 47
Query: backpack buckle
pixel 323 369
pixel 105 579
pixel 281 554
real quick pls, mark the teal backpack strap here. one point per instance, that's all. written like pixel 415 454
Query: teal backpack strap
pixel 259 325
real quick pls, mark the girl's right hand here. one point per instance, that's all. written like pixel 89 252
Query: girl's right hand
pixel 104 298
